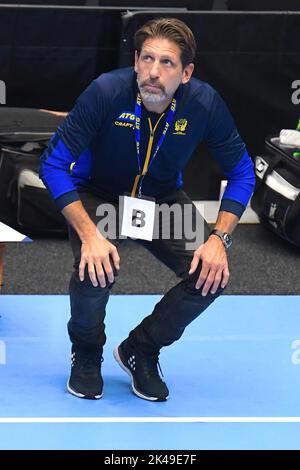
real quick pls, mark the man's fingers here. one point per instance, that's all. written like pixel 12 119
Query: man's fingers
pixel 194 263
pixel 100 274
pixel 214 279
pixel 116 258
pixel 108 269
pixel 100 266
pixel 202 276
pixel 218 278
pixel 92 274
pixel 81 269
pixel 208 283
pixel 225 277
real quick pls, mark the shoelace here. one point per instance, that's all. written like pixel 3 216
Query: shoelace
pixel 151 366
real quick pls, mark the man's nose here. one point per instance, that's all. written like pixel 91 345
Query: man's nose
pixel 154 71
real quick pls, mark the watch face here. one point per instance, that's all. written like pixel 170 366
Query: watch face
pixel 227 240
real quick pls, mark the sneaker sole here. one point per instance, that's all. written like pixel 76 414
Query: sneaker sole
pixel 81 395
pixel 133 386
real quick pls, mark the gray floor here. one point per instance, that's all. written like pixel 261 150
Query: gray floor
pixel 259 263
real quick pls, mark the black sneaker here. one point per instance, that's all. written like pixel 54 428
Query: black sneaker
pixel 142 368
pixel 85 380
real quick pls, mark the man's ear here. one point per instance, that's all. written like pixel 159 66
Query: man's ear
pixel 136 58
pixel 187 73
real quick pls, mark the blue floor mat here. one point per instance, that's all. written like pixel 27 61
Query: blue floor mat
pixel 241 358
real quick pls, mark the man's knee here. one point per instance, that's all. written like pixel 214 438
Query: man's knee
pixel 87 283
pixel 190 285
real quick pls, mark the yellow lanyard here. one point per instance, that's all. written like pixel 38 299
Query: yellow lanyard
pixel 148 154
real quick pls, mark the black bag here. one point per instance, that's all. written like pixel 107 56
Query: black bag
pixel 276 198
pixel 25 203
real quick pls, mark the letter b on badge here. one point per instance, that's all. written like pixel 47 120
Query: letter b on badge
pixel 138 218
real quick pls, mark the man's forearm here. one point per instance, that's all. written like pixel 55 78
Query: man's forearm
pixel 77 216
pixel 226 222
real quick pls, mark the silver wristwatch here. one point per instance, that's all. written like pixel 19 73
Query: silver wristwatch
pixel 225 237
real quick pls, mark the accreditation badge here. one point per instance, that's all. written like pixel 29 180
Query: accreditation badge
pixel 138 215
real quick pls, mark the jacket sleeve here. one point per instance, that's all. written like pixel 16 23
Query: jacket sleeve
pixel 71 140
pixel 226 146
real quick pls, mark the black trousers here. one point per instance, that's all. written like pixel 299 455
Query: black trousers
pixel 178 307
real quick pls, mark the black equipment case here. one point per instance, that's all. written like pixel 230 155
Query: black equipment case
pixel 25 203
pixel 276 198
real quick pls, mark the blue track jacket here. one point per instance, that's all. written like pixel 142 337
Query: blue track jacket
pixel 95 148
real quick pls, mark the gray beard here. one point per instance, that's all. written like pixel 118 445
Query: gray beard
pixel 148 97
pixel 154 98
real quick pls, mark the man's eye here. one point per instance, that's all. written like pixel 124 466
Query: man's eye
pixel 147 58
pixel 168 62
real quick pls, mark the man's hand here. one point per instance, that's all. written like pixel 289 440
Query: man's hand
pixel 95 253
pixel 214 265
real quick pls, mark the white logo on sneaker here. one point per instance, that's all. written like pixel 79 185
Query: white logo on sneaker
pixel 131 362
pixel 72 359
